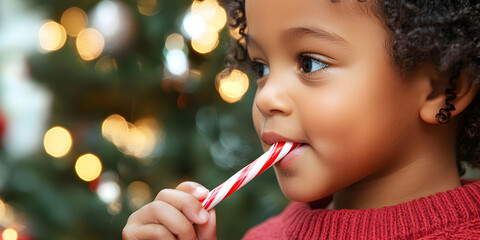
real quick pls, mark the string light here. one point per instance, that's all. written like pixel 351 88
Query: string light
pixel 57 142
pixel 52 36
pixel 90 44
pixel 88 167
pixel 74 20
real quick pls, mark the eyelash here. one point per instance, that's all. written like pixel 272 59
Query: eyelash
pixel 255 64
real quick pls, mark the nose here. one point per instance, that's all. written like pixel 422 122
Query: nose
pixel 272 97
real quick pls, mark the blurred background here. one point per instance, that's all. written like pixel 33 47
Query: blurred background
pixel 105 102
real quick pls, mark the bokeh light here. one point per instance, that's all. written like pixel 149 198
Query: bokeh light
pixel 8 216
pixel 136 140
pixel 57 141
pixel 174 41
pixel 206 42
pixel 233 86
pixel 193 25
pixel 219 19
pixel 88 167
pixel 2 209
pixel 90 44
pixel 9 234
pixel 148 7
pixel 206 9
pixel 114 128
pixel 202 24
pixel 114 207
pixel 108 191
pixel 74 20
pixel 52 36
pixel 138 194
pixel 177 62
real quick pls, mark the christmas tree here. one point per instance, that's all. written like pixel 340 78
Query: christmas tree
pixel 104 103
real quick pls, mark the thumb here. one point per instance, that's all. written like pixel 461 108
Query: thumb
pixel 208 230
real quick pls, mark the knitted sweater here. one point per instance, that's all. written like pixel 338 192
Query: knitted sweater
pixel 454 214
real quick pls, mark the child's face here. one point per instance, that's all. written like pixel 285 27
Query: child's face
pixel 328 83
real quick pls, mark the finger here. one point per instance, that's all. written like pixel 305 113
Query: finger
pixel 208 231
pixel 186 203
pixel 150 231
pixel 170 217
pixel 193 188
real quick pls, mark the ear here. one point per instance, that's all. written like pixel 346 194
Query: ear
pixel 465 91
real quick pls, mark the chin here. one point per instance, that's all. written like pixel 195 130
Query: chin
pixel 301 195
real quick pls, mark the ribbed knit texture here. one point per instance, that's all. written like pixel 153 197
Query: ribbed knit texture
pixel 454 214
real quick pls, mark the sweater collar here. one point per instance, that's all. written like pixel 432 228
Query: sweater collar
pixel 406 220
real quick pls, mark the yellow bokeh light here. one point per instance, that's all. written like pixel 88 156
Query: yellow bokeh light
pixel 205 8
pixel 74 20
pixel 2 209
pixel 232 87
pixel 52 36
pixel 206 42
pixel 115 129
pixel 136 140
pixel 139 194
pixel 148 7
pixel 174 41
pixel 57 141
pixel 90 44
pixel 140 141
pixel 9 234
pixel 88 167
pixel 218 20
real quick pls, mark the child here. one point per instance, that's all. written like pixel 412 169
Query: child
pixel 383 97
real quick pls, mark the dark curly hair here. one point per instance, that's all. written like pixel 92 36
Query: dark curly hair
pixel 444 34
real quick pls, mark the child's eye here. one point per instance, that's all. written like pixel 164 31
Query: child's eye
pixel 261 69
pixel 308 64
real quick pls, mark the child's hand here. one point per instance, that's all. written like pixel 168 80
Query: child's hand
pixel 172 215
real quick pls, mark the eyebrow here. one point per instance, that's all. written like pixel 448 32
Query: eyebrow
pixel 292 34
pixel 298 32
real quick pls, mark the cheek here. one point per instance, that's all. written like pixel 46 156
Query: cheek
pixel 257 119
pixel 350 121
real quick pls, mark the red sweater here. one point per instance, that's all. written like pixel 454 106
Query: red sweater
pixel 454 214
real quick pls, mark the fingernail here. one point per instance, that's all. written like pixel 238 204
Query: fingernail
pixel 203 215
pixel 200 191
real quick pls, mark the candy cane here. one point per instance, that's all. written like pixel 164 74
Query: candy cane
pixel 242 177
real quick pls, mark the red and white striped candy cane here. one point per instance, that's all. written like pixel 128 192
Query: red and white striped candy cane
pixel 242 177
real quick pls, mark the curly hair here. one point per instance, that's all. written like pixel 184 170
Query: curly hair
pixel 444 34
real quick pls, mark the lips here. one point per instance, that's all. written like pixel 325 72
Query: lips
pixel 270 138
